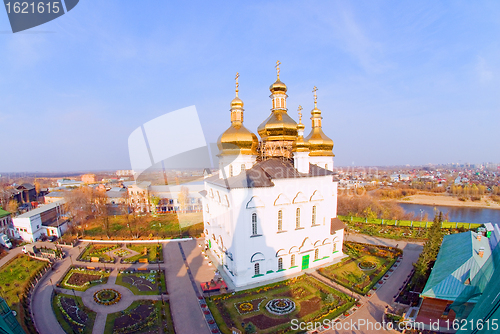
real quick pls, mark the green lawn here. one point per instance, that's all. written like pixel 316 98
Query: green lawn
pixel 64 321
pixel 15 277
pixel 348 272
pixel 314 301
pixel 102 251
pixel 406 223
pixel 145 274
pixel 152 252
pixel 64 282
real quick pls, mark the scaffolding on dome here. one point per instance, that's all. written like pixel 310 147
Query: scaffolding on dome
pixel 275 149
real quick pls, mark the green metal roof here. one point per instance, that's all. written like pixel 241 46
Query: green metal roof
pixel 3 213
pixel 458 260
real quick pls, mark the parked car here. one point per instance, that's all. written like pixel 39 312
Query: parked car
pixel 4 241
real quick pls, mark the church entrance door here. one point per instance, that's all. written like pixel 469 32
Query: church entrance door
pixel 305 262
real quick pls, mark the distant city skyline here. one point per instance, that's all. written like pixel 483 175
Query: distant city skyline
pixel 398 83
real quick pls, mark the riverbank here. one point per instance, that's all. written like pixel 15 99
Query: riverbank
pixel 445 200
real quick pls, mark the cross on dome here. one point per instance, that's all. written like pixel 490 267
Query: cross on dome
pixel 237 84
pixel 315 89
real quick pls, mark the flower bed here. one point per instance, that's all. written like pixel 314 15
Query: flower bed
pixel 280 306
pixel 367 265
pixel 302 298
pixel 122 252
pixel 81 279
pixel 249 306
pixel 107 297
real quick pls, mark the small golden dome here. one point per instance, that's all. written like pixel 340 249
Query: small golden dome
pixel 300 145
pixel 236 103
pixel 278 86
pixel 319 143
pixel 278 126
pixel 237 140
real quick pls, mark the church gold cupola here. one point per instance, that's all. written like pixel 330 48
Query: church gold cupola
pixel 319 143
pixel 279 130
pixel 237 139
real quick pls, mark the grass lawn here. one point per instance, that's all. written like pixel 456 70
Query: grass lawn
pixel 364 267
pixel 82 279
pixel 152 252
pixel 146 283
pixel 15 276
pixel 407 223
pixel 149 325
pixel 314 301
pixel 65 319
pixel 102 251
pixel 146 226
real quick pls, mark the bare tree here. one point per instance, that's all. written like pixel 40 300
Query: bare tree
pixel 183 198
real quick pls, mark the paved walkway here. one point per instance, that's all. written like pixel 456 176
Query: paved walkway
pixel 44 317
pixel 372 309
pixel 183 292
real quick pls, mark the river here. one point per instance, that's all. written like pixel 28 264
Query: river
pixel 456 213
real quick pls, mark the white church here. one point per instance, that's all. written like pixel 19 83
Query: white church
pixel 271 211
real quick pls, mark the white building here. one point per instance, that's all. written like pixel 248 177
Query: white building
pixel 271 211
pixel 45 220
pixel 68 183
pixel 6 224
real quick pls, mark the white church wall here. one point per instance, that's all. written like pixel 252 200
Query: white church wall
pixel 229 229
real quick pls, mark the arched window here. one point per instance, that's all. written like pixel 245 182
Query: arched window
pixel 254 223
pixel 297 218
pixel 316 253
pixel 230 170
pixel 243 167
pixel 256 269
pixel 314 215
pixel 280 220
pixel 280 263
pixel 283 102
pixel 292 261
pixel 274 104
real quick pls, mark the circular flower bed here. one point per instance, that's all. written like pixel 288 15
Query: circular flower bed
pixel 245 307
pixel 280 306
pixel 107 297
pixel 367 265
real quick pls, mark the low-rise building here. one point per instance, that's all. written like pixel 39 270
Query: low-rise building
pixel 46 220
pixel 461 258
pixel 6 226
pixel 88 178
pixel 68 183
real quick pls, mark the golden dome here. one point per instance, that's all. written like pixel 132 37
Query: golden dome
pixel 278 86
pixel 278 126
pixel 319 143
pixel 237 140
pixel 236 103
pixel 300 145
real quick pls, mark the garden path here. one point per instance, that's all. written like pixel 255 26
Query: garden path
pixel 372 309
pixel 44 318
pixel 335 285
pixel 185 308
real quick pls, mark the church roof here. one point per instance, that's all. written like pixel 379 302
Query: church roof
pixel 263 172
pixel 337 224
pixel 458 261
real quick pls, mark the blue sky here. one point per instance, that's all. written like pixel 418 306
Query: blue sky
pixel 399 82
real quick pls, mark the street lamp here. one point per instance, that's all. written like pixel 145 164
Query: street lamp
pixel 421 214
